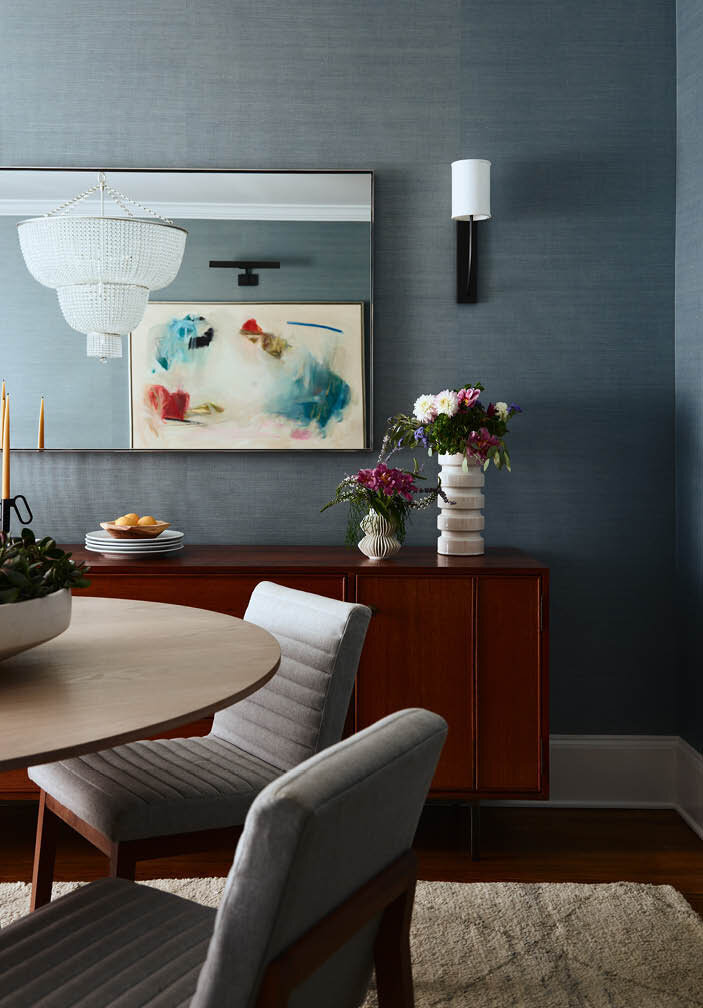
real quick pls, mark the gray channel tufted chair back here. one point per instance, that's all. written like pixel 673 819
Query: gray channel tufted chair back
pixel 302 709
pixel 311 839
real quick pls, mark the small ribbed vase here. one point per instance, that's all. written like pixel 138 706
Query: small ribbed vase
pixel 460 524
pixel 379 540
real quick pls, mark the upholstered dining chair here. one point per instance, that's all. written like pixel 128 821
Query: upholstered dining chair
pixel 321 889
pixel 171 796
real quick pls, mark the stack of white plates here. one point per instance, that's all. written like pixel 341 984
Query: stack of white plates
pixel 170 541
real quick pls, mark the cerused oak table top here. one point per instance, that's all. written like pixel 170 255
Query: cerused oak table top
pixel 122 671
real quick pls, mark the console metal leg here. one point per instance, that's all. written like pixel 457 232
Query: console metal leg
pixel 470 815
pixel 475 839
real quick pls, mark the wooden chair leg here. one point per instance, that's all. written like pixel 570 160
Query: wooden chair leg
pixel 44 855
pixel 123 863
pixel 394 975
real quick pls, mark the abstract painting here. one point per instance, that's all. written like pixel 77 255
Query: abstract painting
pixel 248 375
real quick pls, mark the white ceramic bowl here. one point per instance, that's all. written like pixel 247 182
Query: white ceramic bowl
pixel 23 625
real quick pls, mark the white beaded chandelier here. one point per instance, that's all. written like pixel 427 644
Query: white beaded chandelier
pixel 102 267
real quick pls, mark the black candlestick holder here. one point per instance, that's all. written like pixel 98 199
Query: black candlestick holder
pixel 9 504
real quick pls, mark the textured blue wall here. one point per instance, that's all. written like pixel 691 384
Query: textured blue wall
pixel 574 103
pixel 689 363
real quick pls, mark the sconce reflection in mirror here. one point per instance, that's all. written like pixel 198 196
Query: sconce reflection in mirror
pixel 471 202
pixel 248 278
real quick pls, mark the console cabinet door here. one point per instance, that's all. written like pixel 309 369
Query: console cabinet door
pixel 418 653
pixel 508 685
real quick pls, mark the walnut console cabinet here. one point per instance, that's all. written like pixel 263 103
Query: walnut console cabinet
pixel 463 636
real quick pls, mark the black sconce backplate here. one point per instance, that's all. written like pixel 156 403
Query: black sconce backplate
pixel 466 262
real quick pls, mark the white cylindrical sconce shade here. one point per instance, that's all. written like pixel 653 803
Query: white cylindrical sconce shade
pixel 471 189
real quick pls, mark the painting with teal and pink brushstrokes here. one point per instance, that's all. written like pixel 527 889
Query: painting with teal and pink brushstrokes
pixel 248 375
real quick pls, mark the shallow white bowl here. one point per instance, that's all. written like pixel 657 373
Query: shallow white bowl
pixel 23 625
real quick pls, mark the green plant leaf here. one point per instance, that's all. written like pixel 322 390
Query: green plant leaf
pixel 31 569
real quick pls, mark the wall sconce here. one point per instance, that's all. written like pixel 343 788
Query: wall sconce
pixel 248 278
pixel 471 202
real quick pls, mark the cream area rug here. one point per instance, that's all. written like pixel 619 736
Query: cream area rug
pixel 509 945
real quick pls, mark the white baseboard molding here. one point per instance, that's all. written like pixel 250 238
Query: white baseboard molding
pixel 626 771
pixel 689 802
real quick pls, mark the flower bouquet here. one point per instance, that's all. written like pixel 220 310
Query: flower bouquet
pixel 380 501
pixel 466 435
pixel 452 422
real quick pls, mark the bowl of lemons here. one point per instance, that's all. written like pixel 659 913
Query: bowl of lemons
pixel 131 526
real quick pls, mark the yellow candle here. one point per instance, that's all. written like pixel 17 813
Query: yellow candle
pixel 6 451
pixel 40 439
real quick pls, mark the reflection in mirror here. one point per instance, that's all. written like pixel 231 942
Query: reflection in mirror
pixel 261 341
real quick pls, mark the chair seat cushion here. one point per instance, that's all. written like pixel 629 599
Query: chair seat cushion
pixel 148 789
pixel 110 944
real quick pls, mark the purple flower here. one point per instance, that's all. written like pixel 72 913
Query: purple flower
pixel 514 408
pixel 421 436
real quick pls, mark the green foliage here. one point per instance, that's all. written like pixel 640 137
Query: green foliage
pixel 31 569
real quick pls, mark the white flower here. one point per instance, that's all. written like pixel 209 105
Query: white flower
pixel 424 409
pixel 502 410
pixel 446 402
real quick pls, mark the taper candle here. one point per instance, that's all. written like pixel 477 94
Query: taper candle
pixel 6 451
pixel 40 438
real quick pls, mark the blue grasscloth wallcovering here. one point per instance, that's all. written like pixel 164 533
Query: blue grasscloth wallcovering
pixel 689 363
pixel 574 104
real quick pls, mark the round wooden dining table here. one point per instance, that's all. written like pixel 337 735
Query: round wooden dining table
pixel 125 670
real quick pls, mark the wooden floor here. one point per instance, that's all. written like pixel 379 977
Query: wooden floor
pixel 518 844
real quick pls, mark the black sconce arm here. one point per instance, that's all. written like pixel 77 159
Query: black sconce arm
pixel 248 278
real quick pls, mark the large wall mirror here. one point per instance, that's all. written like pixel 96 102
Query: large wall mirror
pixel 261 341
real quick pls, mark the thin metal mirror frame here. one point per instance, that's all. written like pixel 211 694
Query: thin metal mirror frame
pixel 369 348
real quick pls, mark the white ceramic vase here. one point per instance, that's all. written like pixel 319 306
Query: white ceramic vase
pixel 460 524
pixel 379 539
pixel 23 625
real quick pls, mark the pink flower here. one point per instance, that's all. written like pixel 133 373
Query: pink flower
pixel 387 481
pixel 468 397
pixel 489 439
pixel 367 478
pixel 480 443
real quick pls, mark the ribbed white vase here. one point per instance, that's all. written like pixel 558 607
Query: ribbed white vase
pixel 460 524
pixel 379 540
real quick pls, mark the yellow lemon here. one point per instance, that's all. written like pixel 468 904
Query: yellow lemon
pixel 147 520
pixel 128 519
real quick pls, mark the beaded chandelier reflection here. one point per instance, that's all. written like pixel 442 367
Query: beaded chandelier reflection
pixel 102 267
